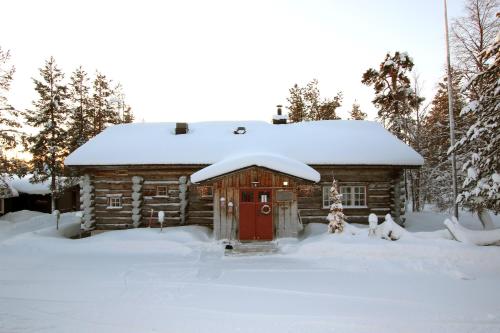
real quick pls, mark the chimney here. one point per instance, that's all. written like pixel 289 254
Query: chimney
pixel 181 128
pixel 279 118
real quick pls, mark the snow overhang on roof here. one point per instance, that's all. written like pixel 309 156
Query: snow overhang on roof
pixel 23 185
pixel 270 161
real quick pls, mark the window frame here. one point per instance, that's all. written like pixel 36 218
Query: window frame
pixel 112 199
pixel 352 196
pixel 158 191
pixel 206 191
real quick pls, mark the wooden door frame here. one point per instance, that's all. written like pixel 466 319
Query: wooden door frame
pixel 255 202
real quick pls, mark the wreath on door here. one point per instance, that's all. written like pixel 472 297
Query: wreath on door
pixel 265 209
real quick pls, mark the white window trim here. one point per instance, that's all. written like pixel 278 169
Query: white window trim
pixel 166 192
pixel 352 195
pixel 114 196
pixel 340 186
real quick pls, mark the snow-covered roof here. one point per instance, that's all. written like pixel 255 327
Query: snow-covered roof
pixel 22 185
pixel 271 161
pixel 335 142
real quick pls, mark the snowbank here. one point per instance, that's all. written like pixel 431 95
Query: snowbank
pixel 271 161
pixel 359 143
pixel 178 280
pixel 24 222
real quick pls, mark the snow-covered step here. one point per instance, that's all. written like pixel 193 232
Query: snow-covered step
pixel 254 248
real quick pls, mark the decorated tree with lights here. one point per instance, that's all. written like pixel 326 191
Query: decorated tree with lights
pixel 336 217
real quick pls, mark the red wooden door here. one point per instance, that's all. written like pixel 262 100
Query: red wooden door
pixel 256 214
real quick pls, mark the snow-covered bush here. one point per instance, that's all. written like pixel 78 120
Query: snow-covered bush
pixel 336 217
pixel 373 223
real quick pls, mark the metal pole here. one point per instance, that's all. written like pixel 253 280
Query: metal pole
pixel 451 117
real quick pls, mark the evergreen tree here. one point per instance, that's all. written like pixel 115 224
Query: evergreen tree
pixel 312 102
pixel 296 108
pixel 306 104
pixel 10 127
pixel 103 114
pixel 121 109
pixel 128 115
pixel 356 113
pixel 481 187
pixel 80 110
pixel 328 108
pixel 336 217
pixel 48 146
pixel 394 96
pixel 436 129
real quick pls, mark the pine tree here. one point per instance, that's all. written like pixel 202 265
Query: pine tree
pixel 103 114
pixel 10 127
pixel 394 96
pixel 356 113
pixel 336 217
pixel 80 110
pixel 121 109
pixel 128 115
pixel 436 129
pixel 48 146
pixel 306 104
pixel 328 108
pixel 296 108
pixel 481 187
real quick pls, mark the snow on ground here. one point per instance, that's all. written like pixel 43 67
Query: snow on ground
pixel 179 280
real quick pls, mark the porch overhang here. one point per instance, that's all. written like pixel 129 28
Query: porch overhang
pixel 273 162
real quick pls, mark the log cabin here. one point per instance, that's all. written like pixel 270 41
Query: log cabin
pixel 248 180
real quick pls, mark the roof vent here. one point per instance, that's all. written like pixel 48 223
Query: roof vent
pixel 240 130
pixel 279 118
pixel 181 128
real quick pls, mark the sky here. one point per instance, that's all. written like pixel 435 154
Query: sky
pixel 223 60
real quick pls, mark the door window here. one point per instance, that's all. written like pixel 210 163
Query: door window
pixel 264 196
pixel 247 196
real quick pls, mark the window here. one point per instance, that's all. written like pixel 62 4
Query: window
pixel 247 196
pixel 264 196
pixel 161 191
pixel 114 201
pixel 205 191
pixel 352 196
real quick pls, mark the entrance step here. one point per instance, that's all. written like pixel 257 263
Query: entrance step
pixel 251 249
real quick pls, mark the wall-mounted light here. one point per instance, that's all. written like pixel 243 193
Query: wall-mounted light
pixel 223 202
pixel 285 183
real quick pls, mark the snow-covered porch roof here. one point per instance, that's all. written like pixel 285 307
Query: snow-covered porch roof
pixel 273 162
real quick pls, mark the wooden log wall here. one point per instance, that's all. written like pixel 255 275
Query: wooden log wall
pixel 112 180
pixel 379 182
pixel 186 204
